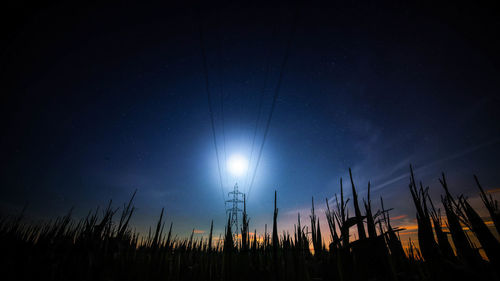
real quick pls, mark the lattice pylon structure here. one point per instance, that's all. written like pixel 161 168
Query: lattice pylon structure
pixel 233 210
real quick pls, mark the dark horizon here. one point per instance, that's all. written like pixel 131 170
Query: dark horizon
pixel 101 100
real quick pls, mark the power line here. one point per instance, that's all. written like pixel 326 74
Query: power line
pixel 276 92
pixel 221 86
pixel 261 100
pixel 209 99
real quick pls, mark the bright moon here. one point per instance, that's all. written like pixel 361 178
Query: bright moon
pixel 237 165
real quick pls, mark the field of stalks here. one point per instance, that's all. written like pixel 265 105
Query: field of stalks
pixel 103 247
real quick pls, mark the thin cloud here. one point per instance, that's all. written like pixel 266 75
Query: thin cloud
pixel 445 159
pixel 399 217
pixel 494 190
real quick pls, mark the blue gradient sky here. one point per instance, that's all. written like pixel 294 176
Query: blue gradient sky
pixel 103 100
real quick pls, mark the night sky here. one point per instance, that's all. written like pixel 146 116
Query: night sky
pixel 100 100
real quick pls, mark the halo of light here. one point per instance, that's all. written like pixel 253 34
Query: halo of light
pixel 237 165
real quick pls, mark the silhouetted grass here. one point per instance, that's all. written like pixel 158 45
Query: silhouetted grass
pixel 99 247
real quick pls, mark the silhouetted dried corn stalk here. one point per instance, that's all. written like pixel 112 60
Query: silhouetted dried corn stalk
pixel 454 217
pixel 209 245
pixel 275 239
pixel 127 212
pixel 244 228
pixel 342 215
pixel 427 244
pixel 159 227
pixel 392 240
pixel 490 204
pixel 330 217
pixel 357 211
pixel 489 243
pixel 370 220
pixel 227 263
pixel 315 231
pixel 441 235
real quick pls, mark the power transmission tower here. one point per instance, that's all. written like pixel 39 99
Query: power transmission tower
pixel 236 198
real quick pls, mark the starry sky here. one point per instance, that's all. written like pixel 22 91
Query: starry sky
pixel 102 99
